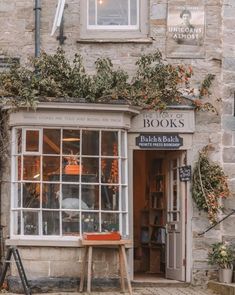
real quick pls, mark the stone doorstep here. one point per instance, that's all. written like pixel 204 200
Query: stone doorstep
pixel 160 284
pixel 221 288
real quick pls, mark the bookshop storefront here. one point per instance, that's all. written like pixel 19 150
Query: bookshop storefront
pixel 92 168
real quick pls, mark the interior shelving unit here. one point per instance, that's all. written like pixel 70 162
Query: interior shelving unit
pixel 153 220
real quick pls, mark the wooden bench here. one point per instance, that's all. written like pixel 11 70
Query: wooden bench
pixel 123 266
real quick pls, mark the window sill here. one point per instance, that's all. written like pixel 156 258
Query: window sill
pixel 116 41
pixel 44 243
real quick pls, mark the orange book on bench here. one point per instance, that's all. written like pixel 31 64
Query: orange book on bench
pixel 103 236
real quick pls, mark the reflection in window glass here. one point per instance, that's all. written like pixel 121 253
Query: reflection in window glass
pixel 109 143
pixel 90 197
pixel 31 195
pixel 32 141
pixel 50 221
pixel 110 222
pixel 51 141
pixel 109 198
pixel 31 166
pixel 51 168
pixel 90 222
pixel 50 195
pixel 133 12
pixel 30 220
pixel 70 223
pixel 90 142
pixel 71 142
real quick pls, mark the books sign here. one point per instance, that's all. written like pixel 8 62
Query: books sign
pixel 159 141
pixel 185 173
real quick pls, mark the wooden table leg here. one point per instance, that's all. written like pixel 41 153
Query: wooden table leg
pixel 89 269
pixel 126 269
pixel 83 270
pixel 121 269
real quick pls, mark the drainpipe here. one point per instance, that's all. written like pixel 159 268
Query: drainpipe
pixel 37 10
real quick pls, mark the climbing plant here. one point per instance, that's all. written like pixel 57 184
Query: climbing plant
pixel 155 84
pixel 209 185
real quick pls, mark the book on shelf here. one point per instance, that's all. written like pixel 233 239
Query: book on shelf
pixel 159 235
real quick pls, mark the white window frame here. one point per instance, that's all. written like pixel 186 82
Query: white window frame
pixel 122 184
pixel 96 32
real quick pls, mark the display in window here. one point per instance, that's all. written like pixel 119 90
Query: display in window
pixel 70 223
pixel 90 222
pixel 90 142
pixel 31 195
pixel 50 197
pixel 31 168
pixel 71 142
pixel 51 166
pixel 32 141
pixel 50 220
pixel 71 164
pixel 51 141
pixel 109 222
pixel 30 220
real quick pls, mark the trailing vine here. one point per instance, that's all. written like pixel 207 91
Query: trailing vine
pixel 209 185
pixel 155 85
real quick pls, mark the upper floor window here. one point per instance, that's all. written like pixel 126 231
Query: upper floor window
pixel 110 19
pixel 112 14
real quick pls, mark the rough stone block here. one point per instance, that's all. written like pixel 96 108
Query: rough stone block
pixel 65 269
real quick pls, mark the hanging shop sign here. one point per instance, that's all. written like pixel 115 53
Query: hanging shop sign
pixel 185 173
pixel 185 29
pixel 159 141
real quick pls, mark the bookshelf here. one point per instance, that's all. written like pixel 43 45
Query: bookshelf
pixel 153 219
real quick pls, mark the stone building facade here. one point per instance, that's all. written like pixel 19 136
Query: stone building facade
pixel 52 257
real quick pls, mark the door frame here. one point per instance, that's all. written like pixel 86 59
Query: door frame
pixel 188 214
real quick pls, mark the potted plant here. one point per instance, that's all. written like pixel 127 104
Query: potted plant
pixel 222 255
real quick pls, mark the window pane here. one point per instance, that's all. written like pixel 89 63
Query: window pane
pixel 30 220
pixel 90 142
pixel 90 222
pixel 90 167
pixel 51 141
pixel 124 225
pixel 110 222
pixel 71 142
pixel 109 143
pixel 31 195
pixel 50 195
pixel 17 194
pixel 124 171
pixel 133 12
pixel 70 223
pixel 92 18
pixel 31 167
pixel 19 141
pixel 70 196
pixel 51 223
pixel 109 198
pixel 112 12
pixel 123 144
pixel 18 170
pixel 90 197
pixel 71 165
pixel 16 223
pixel 124 198
pixel 109 171
pixel 51 168
pixel 32 141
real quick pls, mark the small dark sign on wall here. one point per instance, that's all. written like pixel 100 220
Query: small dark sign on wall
pixel 185 173
pixel 169 141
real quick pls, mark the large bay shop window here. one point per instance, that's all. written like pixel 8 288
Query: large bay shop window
pixel 66 182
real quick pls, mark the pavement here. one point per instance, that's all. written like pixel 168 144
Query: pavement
pixel 141 291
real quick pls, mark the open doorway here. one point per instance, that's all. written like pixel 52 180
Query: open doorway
pixel 159 224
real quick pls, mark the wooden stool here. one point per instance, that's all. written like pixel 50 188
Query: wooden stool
pixel 120 244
